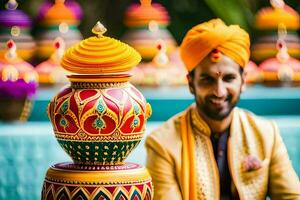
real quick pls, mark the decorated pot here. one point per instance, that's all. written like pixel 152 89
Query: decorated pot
pixel 71 181
pixel 57 21
pixel 266 25
pixel 99 122
pixel 18 84
pixel 71 4
pixel 162 71
pixel 253 73
pixel 147 25
pixel 100 118
pixel 282 69
pixel 50 71
pixel 16 25
pixel 276 73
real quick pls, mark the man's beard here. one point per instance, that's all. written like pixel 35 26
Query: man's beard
pixel 214 113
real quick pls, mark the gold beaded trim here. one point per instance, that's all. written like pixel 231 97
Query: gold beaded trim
pixel 26 110
pixel 99 177
pixel 97 167
pixel 84 137
pixel 94 85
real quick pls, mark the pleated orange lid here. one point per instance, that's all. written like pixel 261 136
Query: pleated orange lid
pixel 270 17
pixel 100 55
pixel 145 12
pixel 59 13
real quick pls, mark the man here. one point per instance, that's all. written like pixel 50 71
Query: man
pixel 213 150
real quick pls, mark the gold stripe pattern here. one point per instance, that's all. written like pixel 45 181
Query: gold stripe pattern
pixel 98 177
pixel 251 185
pixel 206 167
pixel 86 85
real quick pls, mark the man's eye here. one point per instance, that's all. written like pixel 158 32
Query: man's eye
pixel 229 78
pixel 207 80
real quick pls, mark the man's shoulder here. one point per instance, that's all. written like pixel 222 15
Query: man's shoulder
pixel 255 120
pixel 167 131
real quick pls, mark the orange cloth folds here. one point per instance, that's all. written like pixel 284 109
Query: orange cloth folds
pixel 98 55
pixel 188 158
pixel 203 38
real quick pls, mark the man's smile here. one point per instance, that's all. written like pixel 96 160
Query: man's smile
pixel 218 102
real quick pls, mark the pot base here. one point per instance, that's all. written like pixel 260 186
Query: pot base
pixel 73 181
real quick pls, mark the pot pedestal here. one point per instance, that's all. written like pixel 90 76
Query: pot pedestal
pixel 73 181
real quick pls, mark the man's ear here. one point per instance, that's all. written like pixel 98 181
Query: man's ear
pixel 243 81
pixel 191 84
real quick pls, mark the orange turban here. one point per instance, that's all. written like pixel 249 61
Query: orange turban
pixel 203 38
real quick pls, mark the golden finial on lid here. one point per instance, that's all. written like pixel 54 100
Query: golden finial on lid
pixel 145 2
pixel 282 32
pixel 63 27
pixel 277 3
pixel 12 50
pixel 282 55
pixel 153 26
pixel 99 29
pixel 285 71
pixel 161 59
pixel 59 46
pixel 11 5
pixel 15 31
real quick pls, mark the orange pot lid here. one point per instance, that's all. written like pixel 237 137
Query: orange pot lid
pixel 59 13
pixel 100 54
pixel 144 13
pixel 270 17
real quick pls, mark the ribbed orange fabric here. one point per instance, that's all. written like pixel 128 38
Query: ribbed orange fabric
pixel 141 15
pixel 270 18
pixel 188 158
pixel 59 13
pixel 98 55
pixel 203 38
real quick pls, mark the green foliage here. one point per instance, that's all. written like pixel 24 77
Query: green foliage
pixel 232 11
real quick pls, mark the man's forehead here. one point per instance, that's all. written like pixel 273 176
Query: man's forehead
pixel 225 65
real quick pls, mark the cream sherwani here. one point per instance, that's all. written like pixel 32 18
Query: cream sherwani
pixel 249 135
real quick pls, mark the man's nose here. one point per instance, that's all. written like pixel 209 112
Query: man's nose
pixel 219 89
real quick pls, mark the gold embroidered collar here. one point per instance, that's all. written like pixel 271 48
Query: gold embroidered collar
pixel 198 124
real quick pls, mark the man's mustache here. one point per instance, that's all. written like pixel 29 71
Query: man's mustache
pixel 225 98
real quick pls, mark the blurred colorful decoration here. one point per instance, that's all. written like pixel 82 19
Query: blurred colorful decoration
pixel 98 120
pixel 58 21
pixel 253 73
pixel 266 24
pixel 281 69
pixel 71 4
pixel 161 71
pixel 18 84
pixel 146 23
pixel 50 71
pixel 16 25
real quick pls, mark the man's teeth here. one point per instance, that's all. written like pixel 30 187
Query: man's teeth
pixel 217 101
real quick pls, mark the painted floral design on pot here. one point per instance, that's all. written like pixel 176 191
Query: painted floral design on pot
pixel 100 118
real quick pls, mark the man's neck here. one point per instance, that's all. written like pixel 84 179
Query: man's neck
pixel 217 126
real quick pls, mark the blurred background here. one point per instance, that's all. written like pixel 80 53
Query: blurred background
pixel 183 14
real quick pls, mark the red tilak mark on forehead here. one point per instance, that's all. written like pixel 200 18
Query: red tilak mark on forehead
pixel 218 73
pixel 215 51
